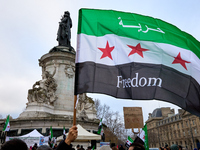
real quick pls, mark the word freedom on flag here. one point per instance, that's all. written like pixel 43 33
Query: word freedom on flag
pixel 137 57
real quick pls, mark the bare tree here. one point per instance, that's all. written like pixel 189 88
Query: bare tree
pixel 113 121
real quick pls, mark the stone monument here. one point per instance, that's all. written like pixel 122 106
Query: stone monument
pixel 54 94
pixel 50 101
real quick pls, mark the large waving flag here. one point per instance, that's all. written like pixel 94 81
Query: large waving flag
pixel 137 57
pixel 7 124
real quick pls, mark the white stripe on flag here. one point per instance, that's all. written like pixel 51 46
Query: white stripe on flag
pixel 159 53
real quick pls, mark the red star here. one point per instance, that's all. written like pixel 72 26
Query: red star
pixel 106 51
pixel 178 59
pixel 137 49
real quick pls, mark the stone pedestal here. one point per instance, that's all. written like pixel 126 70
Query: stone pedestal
pixel 61 65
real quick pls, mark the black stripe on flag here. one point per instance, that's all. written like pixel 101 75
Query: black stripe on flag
pixel 139 81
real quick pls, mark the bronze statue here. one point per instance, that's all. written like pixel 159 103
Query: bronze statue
pixel 64 31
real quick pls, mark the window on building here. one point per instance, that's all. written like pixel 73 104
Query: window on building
pixel 182 125
pixel 193 121
pixel 188 132
pixel 179 134
pixel 183 133
pixel 186 123
pixel 177 125
pixel 195 131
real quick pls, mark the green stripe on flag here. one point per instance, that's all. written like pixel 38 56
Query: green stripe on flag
pixel 130 139
pixel 100 127
pixel 146 142
pixel 101 22
pixel 6 123
pixel 51 132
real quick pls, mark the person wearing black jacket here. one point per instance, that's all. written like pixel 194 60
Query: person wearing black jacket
pixel 66 144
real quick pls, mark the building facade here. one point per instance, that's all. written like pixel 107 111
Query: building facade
pixel 166 127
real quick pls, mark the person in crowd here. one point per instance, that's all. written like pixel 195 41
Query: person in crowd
pixel 82 147
pixel 55 146
pixel 121 147
pixel 78 147
pixel 180 147
pixel 30 148
pixel 161 148
pixel 136 146
pixel 44 147
pixel 14 144
pixel 35 146
pixel 89 148
pixel 174 147
pixel 113 146
pixel 66 144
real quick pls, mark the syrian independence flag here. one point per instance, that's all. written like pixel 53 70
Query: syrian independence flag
pixel 129 141
pixel 7 124
pixel 146 141
pixel 51 133
pixel 51 139
pixel 142 138
pixel 137 57
pixel 100 128
pixel 64 133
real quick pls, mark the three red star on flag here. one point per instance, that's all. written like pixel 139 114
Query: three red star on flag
pixel 179 60
pixel 106 51
pixel 139 50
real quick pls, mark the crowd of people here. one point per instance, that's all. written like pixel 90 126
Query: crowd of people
pixel 17 144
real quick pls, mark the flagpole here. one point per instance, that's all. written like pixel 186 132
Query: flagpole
pixel 74 118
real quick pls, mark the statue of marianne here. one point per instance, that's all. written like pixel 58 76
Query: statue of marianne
pixel 64 32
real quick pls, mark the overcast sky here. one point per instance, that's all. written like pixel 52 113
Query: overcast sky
pixel 28 30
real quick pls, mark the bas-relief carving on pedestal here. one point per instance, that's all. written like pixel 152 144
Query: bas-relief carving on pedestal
pixel 69 71
pixel 43 91
pixel 85 103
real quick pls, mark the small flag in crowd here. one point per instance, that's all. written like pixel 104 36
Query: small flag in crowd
pixel 64 133
pixel 51 139
pixel 100 127
pixel 129 141
pixel 51 132
pixel 143 138
pixel 146 141
pixel 7 125
pixel 93 147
